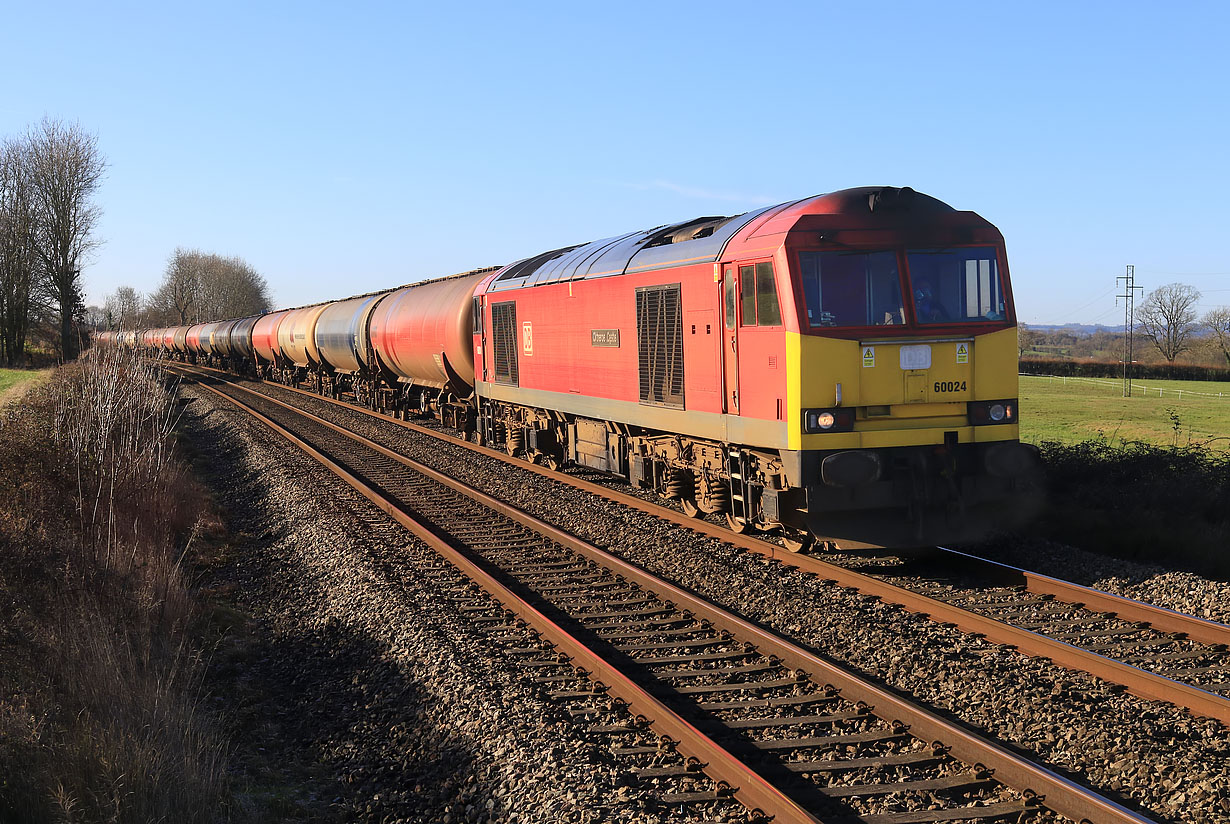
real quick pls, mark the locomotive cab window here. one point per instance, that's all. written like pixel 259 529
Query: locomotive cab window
pixel 728 289
pixel 955 285
pixel 851 289
pixel 758 292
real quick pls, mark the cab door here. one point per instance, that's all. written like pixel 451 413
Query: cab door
pixel 730 340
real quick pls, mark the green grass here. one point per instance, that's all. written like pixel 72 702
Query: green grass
pixel 12 381
pixel 1159 412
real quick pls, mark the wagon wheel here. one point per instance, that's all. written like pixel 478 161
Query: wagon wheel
pixel 797 540
pixel 737 525
pixel 551 462
pixel 689 507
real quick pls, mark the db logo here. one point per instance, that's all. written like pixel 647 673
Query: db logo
pixel 527 338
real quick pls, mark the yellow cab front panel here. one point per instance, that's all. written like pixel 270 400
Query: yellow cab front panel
pixel 902 372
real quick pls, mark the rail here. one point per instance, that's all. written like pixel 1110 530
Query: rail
pixel 1035 784
pixel 1140 682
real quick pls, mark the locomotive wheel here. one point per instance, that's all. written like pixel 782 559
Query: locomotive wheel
pixel 737 525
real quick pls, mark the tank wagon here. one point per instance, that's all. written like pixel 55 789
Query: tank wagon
pixel 841 366
pixel 242 353
pixel 344 342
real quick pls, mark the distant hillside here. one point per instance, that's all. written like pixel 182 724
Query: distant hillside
pixel 1076 328
pixel 1083 330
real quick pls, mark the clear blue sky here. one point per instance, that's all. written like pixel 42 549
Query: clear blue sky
pixel 345 147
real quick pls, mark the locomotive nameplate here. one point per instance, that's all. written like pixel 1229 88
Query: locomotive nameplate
pixel 604 337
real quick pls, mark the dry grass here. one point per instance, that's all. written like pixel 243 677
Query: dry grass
pixel 100 705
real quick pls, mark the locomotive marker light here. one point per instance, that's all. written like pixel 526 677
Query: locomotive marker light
pixel 829 420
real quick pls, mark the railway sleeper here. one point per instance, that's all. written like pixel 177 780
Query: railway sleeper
pixel 919 758
pixel 962 782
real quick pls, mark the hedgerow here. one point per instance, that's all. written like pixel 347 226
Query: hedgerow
pixel 1138 500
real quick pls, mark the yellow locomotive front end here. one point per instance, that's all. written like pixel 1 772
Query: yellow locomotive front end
pixel 902 384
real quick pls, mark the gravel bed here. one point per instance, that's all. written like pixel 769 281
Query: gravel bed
pixel 1148 755
pixel 1181 591
pixel 354 691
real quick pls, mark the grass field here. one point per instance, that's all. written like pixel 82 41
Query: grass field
pixel 1159 412
pixel 13 382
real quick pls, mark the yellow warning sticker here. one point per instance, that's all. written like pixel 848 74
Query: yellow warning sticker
pixel 869 356
pixel 962 353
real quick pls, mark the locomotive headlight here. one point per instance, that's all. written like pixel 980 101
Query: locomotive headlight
pixel 825 420
pixel 992 412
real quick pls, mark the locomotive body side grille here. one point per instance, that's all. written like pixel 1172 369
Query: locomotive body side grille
pixel 659 333
pixel 504 341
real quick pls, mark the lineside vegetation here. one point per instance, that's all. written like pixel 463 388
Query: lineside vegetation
pixel 1145 477
pixel 100 704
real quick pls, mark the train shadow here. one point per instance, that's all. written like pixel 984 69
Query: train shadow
pixel 326 723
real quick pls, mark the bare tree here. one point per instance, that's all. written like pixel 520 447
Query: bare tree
pixel 1218 322
pixel 19 260
pixel 66 170
pixel 1025 339
pixel 95 318
pixel 1167 318
pixel 122 307
pixel 179 296
pixel 199 286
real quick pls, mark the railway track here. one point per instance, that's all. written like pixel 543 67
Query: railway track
pixel 1152 652
pixel 783 732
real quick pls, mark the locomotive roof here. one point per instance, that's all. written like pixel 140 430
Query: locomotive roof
pixel 701 240
pixel 693 241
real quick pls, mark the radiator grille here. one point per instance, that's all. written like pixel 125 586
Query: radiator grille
pixel 504 341
pixel 659 332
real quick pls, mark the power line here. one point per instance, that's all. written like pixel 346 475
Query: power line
pixel 1187 274
pixel 1098 299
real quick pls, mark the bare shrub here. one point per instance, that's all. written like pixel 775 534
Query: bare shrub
pixel 100 710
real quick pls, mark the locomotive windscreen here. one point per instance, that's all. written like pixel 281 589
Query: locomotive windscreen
pixel 851 288
pixel 955 285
